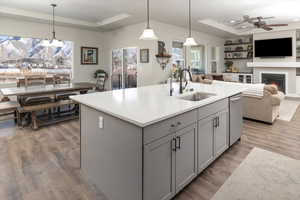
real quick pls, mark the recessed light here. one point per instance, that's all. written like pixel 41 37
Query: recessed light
pixel 232 21
pixel 243 27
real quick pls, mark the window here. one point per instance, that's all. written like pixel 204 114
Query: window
pixel 26 55
pixel 197 59
pixel 178 54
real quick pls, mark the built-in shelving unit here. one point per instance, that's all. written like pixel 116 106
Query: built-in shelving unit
pixel 238 52
pixel 298 45
pixel 237 58
pixel 238 43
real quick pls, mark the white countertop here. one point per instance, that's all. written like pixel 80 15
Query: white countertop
pixel 144 106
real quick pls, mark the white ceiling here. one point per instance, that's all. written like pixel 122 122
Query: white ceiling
pixel 91 12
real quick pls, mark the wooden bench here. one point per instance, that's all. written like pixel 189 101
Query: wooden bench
pixel 36 123
pixel 9 108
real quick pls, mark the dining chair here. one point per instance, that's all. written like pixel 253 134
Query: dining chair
pixel 62 79
pixel 100 84
pixel 32 80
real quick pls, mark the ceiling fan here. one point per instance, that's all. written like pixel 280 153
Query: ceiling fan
pixel 259 22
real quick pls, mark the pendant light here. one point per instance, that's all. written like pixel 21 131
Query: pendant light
pixel 53 42
pixel 190 41
pixel 148 33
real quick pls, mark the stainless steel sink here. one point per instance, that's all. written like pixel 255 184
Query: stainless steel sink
pixel 198 96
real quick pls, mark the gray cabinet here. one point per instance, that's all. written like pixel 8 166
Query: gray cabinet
pixel 170 163
pixel 186 156
pixel 111 159
pixel 159 169
pixel 205 142
pixel 153 162
pixel 212 138
pixel 221 133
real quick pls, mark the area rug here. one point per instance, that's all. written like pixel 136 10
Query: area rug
pixel 287 110
pixel 263 175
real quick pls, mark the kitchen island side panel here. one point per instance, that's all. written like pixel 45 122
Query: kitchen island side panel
pixel 112 155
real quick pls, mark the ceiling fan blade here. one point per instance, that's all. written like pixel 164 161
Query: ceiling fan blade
pixel 268 17
pixel 266 27
pixel 277 24
pixel 254 18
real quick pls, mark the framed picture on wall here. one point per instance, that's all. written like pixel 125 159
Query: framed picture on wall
pixel 89 56
pixel 144 56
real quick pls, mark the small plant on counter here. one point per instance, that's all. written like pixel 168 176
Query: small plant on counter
pixel 175 72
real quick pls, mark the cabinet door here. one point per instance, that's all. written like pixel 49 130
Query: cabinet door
pixel 221 133
pixel 186 156
pixel 159 158
pixel 205 142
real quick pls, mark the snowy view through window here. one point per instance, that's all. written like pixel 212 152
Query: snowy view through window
pixel 27 55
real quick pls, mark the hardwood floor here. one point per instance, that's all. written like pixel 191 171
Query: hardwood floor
pixel 44 164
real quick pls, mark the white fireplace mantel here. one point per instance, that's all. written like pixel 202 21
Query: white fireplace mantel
pixel 274 64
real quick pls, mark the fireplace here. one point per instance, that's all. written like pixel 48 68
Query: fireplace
pixel 276 79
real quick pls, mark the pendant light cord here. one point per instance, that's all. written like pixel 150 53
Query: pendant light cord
pixel 190 19
pixel 148 15
pixel 53 21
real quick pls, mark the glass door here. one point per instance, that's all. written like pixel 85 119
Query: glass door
pixel 197 59
pixel 117 69
pixel 130 67
pixel 124 68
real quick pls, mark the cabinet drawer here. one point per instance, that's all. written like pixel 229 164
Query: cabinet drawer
pixel 168 126
pixel 213 108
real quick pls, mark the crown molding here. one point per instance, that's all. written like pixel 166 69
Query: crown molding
pixel 20 13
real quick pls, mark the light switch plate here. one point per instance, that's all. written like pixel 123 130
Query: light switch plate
pixel 100 122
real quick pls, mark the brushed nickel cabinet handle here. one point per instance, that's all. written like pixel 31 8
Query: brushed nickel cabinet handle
pixel 174 143
pixel 215 123
pixel 178 142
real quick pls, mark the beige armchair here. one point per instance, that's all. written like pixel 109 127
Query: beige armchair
pixel 264 108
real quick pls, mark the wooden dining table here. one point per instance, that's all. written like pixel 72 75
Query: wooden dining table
pixel 45 90
pixel 40 90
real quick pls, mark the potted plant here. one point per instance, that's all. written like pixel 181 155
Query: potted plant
pixel 99 72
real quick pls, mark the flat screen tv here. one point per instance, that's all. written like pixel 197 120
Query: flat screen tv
pixel 281 47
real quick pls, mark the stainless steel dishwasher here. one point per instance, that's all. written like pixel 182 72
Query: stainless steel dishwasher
pixel 236 118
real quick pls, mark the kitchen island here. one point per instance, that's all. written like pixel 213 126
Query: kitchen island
pixel 142 144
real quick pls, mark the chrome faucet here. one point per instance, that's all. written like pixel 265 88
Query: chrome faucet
pixel 181 73
pixel 171 86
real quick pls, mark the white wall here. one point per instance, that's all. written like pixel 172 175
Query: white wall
pixel 80 38
pixel 151 73
pixel 274 35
